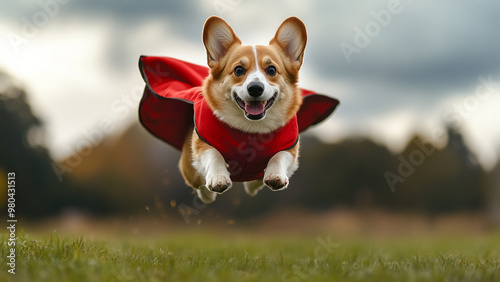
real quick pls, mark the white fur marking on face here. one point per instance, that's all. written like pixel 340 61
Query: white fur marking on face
pixel 256 75
pixel 256 60
pixel 232 114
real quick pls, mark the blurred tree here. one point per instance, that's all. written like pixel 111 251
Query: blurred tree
pixel 127 174
pixel 493 197
pixel 348 173
pixel 38 191
pixel 442 180
pixel 137 170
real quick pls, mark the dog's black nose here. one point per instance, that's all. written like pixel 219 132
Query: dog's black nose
pixel 255 89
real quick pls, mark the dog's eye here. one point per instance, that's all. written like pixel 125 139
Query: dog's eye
pixel 239 70
pixel 271 70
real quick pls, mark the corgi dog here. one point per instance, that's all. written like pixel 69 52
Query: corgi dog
pixel 251 99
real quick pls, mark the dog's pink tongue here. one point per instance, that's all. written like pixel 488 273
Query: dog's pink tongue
pixel 255 108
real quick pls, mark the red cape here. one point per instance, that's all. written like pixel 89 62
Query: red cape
pixel 172 86
pixel 246 154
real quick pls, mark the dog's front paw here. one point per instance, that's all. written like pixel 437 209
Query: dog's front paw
pixel 218 183
pixel 206 195
pixel 252 187
pixel 276 181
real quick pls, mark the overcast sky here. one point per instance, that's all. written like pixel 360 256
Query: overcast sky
pixel 397 66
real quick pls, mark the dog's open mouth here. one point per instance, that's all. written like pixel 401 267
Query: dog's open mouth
pixel 255 110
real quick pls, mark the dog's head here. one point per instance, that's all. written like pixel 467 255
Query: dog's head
pixel 254 88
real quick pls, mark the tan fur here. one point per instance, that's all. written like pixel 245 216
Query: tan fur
pixel 191 176
pixel 224 54
pixel 295 151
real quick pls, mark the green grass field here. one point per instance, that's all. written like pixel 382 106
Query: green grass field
pixel 208 256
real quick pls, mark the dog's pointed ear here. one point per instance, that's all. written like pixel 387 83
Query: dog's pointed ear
pixel 218 38
pixel 291 38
